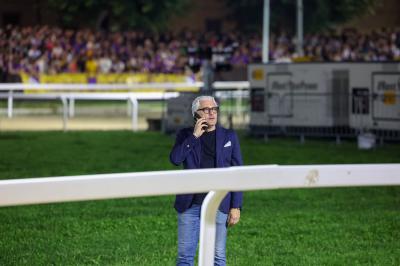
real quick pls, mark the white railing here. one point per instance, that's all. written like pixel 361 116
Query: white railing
pixel 69 93
pixel 218 181
pixel 68 101
pixel 94 87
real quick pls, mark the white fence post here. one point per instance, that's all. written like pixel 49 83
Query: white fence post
pixel 71 110
pixel 10 104
pixel 134 115
pixel 65 112
pixel 207 226
pixel 129 108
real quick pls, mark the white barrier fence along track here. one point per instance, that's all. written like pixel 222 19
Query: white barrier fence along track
pixel 218 181
pixel 68 93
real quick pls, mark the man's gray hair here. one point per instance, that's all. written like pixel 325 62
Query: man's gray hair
pixel 196 102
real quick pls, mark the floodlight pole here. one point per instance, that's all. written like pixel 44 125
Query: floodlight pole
pixel 265 46
pixel 299 47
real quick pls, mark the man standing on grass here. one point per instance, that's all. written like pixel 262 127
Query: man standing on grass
pixel 206 145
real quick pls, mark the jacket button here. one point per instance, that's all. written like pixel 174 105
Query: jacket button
pixel 188 145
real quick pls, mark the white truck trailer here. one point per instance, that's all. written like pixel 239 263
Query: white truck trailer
pixel 325 99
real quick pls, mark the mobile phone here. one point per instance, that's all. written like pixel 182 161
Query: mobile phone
pixel 196 117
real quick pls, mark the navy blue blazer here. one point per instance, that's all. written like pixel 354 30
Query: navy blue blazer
pixel 187 150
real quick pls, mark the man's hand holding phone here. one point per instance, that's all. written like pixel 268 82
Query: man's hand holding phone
pixel 200 125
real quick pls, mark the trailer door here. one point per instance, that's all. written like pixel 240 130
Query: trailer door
pixel 279 94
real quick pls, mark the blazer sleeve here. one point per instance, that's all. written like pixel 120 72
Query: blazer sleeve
pixel 184 144
pixel 236 197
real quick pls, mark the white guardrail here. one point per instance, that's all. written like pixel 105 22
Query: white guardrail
pixel 68 93
pixel 218 181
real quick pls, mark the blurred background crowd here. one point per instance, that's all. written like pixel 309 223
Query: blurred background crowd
pixel 43 49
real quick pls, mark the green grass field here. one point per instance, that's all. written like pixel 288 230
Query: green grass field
pixel 335 226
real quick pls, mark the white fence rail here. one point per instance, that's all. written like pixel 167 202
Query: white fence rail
pixel 218 181
pixel 68 101
pixel 69 93
pixel 101 87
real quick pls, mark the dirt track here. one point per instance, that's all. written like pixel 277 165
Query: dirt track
pixel 52 122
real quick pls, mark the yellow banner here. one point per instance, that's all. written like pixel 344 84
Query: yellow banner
pixel 113 78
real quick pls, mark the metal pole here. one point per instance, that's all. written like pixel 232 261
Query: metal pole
pixel 208 228
pixel 300 33
pixel 239 92
pixel 163 114
pixel 265 47
pixel 208 77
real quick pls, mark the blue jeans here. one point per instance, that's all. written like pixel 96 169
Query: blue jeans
pixel 189 233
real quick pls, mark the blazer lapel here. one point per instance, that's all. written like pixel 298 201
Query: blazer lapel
pixel 219 142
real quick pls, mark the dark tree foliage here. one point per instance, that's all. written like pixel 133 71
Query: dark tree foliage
pixel 318 14
pixel 151 15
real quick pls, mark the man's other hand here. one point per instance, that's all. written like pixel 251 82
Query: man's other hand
pixel 233 217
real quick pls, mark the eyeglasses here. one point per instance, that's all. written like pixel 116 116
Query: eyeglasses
pixel 208 110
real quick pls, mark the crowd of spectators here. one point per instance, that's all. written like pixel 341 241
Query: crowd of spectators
pixel 44 49
pixel 348 45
